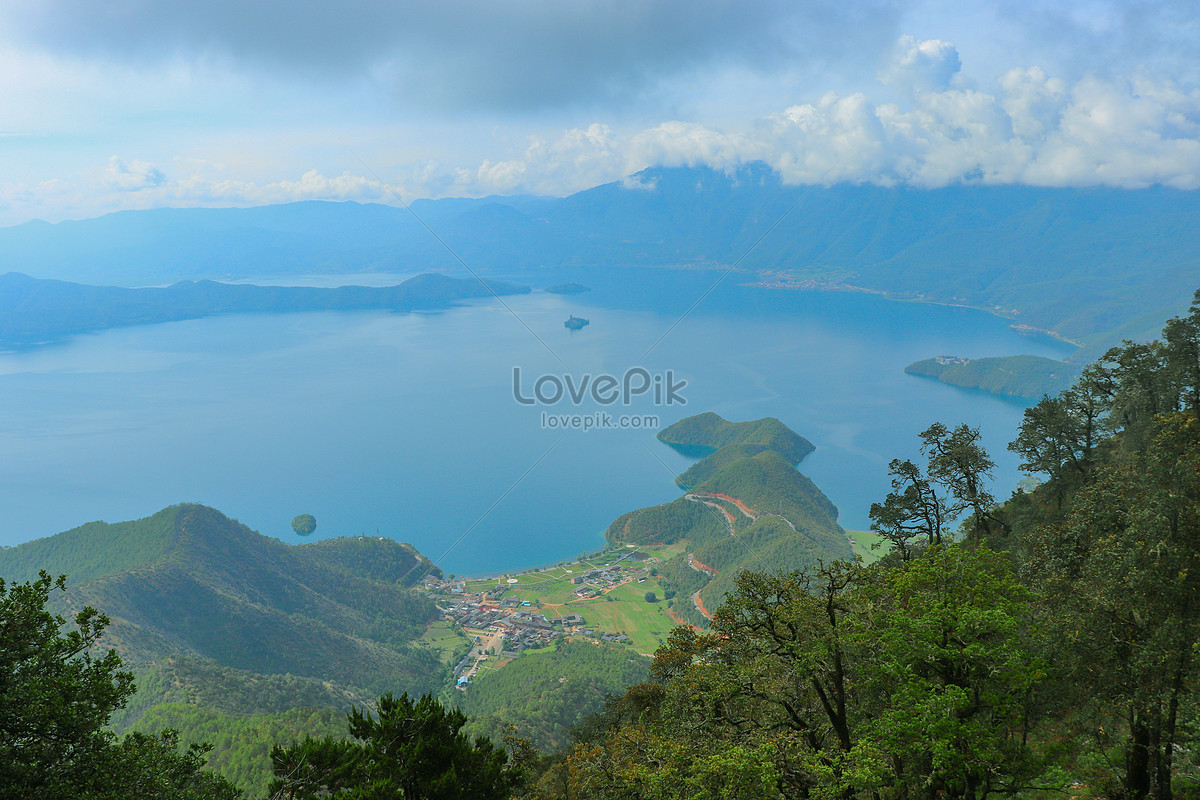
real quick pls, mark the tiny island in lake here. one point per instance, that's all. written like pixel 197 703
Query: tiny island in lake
pixel 576 323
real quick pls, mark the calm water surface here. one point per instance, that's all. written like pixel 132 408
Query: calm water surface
pixel 405 423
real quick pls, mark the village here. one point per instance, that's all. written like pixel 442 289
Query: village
pixel 507 616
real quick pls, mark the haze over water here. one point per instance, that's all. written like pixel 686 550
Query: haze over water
pixel 405 424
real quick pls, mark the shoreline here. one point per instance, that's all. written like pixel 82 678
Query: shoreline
pixel 786 283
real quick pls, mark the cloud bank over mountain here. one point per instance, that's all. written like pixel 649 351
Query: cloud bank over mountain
pixel 145 104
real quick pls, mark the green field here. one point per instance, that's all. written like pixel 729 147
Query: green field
pixel 861 541
pixel 624 610
pixel 442 639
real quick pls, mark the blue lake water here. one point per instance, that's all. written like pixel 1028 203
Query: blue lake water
pixel 405 424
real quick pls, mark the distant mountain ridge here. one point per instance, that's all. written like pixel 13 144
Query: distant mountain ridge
pixel 33 310
pixel 1091 264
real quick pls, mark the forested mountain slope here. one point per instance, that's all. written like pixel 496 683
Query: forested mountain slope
pixel 190 582
pixel 746 507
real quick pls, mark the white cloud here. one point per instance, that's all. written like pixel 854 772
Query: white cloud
pixel 1033 129
pixel 131 177
pixel 922 65
pixel 139 185
pixel 1027 127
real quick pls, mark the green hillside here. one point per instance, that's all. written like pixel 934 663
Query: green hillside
pixel 1015 376
pixel 544 694
pixel 93 550
pixel 706 433
pixel 706 468
pixel 746 507
pixel 189 581
pixel 242 742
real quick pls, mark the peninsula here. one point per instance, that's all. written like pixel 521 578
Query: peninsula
pixel 35 311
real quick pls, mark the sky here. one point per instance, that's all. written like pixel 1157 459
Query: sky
pixel 129 104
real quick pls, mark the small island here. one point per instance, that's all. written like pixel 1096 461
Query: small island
pixel 576 323
pixel 1027 377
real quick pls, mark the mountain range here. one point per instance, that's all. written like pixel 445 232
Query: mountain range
pixel 1092 265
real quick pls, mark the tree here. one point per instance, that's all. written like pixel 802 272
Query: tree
pixel 55 696
pixel 910 682
pixel 651 597
pixel 946 674
pixel 912 513
pixel 1182 335
pixel 1060 435
pixel 959 462
pixel 144 766
pixel 55 701
pixel 412 749
pixel 1124 570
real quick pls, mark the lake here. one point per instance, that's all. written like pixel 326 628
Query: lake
pixel 406 425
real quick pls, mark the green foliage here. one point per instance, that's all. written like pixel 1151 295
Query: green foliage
pixel 666 523
pixel 56 696
pixel 960 464
pixel 153 766
pixel 908 682
pixel 913 514
pixel 543 695
pixel 948 671
pixel 93 550
pixel 651 597
pixel 204 683
pixel 55 701
pixel 409 749
pixel 1060 435
pixel 1125 567
pixel 708 467
pixel 240 743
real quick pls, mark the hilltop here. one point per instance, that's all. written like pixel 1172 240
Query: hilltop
pixel 190 591
pixel 746 506
pixel 706 433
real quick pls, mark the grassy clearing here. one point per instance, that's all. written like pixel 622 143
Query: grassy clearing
pixel 861 541
pixel 625 610
pixel 551 592
pixel 443 640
